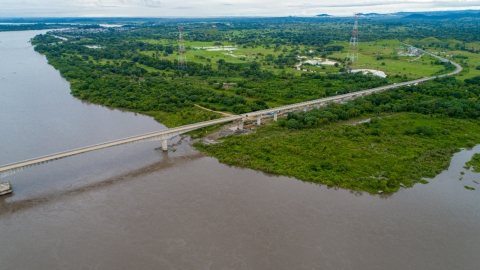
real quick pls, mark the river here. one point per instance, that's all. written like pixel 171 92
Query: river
pixel 135 207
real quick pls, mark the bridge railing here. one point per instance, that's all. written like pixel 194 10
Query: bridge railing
pixel 152 134
pixel 77 149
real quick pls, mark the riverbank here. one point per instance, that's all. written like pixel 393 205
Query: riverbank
pixel 181 209
pixel 379 156
pixel 474 164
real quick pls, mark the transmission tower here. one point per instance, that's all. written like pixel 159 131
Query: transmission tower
pixel 182 58
pixel 352 55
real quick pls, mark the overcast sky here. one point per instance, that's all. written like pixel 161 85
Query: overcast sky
pixel 215 8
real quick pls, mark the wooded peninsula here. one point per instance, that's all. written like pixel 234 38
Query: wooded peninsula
pixel 377 143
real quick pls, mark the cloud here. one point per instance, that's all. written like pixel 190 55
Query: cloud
pixel 152 3
pixel 406 4
pixel 182 7
pixel 215 8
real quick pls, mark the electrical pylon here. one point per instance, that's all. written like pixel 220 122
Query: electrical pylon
pixel 352 56
pixel 182 58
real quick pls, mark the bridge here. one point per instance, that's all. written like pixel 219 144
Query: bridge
pixel 165 135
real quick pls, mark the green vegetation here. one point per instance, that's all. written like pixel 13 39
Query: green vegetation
pixel 465 53
pixel 474 162
pixel 371 156
pixel 384 55
pixel 122 76
pixel 394 148
pixel 447 97
pixel 135 67
pixel 185 116
pixel 469 188
pixel 262 63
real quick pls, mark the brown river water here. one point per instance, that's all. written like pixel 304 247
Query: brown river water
pixel 134 207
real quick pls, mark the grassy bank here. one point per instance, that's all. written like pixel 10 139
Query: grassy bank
pixel 381 155
pixel 474 162
pixel 182 117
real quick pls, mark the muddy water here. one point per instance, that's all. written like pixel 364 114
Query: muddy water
pixel 135 207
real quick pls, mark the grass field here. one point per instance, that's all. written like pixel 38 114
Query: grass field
pixel 469 64
pixel 391 64
pixel 450 49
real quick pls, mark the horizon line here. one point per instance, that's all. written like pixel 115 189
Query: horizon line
pixel 325 15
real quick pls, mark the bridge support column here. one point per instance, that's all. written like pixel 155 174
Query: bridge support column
pixel 164 145
pixel 259 120
pixel 240 124
pixel 305 109
pixel 275 116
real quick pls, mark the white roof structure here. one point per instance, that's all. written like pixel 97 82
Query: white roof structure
pixel 378 73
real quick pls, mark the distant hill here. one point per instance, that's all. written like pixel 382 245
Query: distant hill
pixel 440 15
pixel 324 15
pixel 416 16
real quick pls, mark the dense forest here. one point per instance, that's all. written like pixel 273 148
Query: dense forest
pixel 446 97
pixel 406 134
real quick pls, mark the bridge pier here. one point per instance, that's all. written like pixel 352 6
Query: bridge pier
pixel 275 116
pixel 259 120
pixel 305 108
pixel 240 124
pixel 164 145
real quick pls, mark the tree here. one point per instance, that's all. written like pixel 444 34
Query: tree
pixel 169 50
pixel 255 66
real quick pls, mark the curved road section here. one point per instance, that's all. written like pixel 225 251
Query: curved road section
pixel 167 134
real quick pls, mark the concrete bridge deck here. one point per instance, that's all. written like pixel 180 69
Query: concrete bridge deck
pixel 164 135
pixel 159 135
